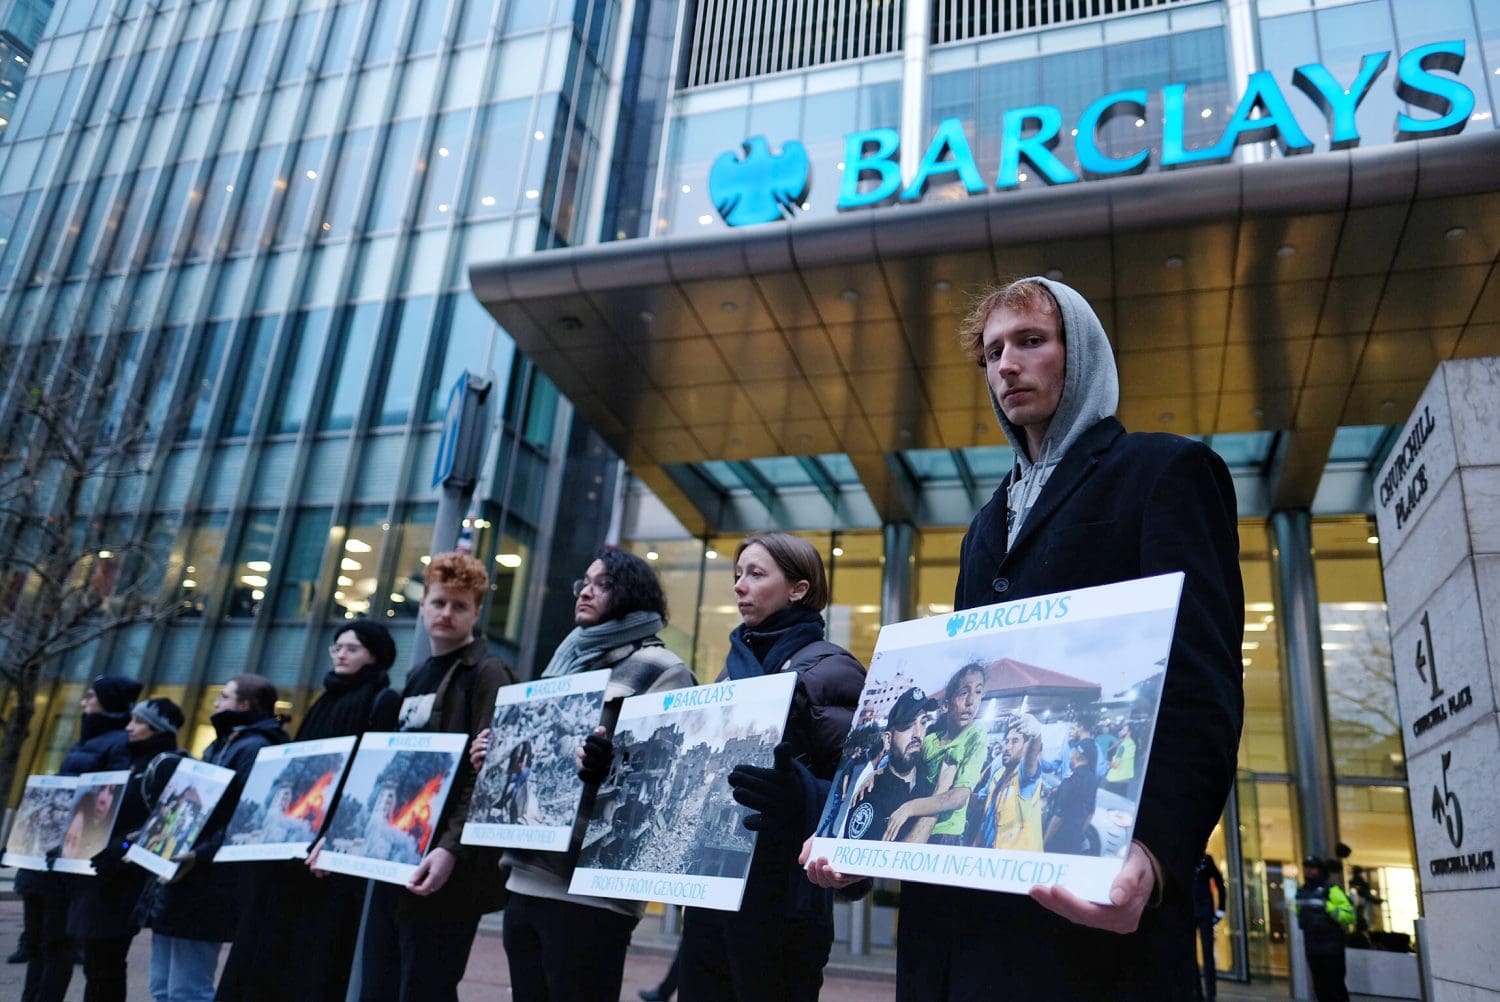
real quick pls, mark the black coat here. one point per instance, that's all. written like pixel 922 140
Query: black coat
pixel 1117 507
pixel 101 906
pixel 294 923
pixel 203 904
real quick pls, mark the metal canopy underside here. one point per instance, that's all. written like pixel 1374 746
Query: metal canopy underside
pixel 1296 295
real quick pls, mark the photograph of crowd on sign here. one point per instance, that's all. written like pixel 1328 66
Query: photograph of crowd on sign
pixel 41 821
pixel 286 799
pixel 1005 747
pixel 528 792
pixel 664 825
pixel 96 801
pixel 181 813
pixel 392 801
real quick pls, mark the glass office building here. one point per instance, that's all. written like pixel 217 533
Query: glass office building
pixel 261 219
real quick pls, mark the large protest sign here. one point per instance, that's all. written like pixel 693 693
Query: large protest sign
pixel 528 792
pixel 41 821
pixel 1004 747
pixel 285 800
pixel 664 825
pixel 181 813
pixel 392 800
pixel 96 802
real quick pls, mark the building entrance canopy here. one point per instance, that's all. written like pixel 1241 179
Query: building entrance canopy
pixel 1291 296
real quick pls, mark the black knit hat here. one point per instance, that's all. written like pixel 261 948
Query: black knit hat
pixel 116 692
pixel 161 714
pixel 375 638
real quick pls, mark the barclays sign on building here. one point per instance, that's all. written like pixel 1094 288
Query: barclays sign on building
pixel 759 186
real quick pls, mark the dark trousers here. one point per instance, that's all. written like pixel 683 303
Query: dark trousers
pixel 52 957
pixel 104 969
pixel 560 951
pixel 408 960
pixel 31 918
pixel 1210 987
pixel 1325 962
pixel 751 957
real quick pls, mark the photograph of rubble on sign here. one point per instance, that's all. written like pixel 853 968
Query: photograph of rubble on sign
pixel 528 793
pixel 664 825
pixel 41 821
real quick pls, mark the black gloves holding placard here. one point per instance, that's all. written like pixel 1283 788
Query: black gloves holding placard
pixel 775 794
pixel 598 755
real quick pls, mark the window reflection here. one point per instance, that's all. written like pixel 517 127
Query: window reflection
pixel 413 538
pixel 355 580
pixel 200 559
pixel 304 558
pixel 443 164
pixel 250 575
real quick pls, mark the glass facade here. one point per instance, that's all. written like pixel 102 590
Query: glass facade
pixel 269 210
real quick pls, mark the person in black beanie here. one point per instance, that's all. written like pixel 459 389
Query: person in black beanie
pixel 100 912
pixel 296 936
pixel 100 748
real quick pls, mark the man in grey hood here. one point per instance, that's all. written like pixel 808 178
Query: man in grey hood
pixel 1088 504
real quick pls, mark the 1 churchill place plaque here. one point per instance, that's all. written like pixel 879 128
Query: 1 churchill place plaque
pixel 1437 501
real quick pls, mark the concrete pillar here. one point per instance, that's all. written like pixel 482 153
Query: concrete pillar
pixel 1437 502
pixel 896 590
pixel 916 32
pixel 1309 753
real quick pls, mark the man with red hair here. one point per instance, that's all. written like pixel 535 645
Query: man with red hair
pixel 417 940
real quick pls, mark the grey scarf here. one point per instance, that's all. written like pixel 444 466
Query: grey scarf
pixel 586 644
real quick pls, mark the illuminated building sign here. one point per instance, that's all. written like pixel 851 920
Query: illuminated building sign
pixel 761 186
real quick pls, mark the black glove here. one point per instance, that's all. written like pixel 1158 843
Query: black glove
pixel 598 756
pixel 52 856
pixel 775 795
pixel 111 859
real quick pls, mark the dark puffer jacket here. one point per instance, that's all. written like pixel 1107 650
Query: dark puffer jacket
pixel 201 904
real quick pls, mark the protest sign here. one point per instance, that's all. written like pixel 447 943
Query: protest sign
pixel 392 801
pixel 664 825
pixel 1004 747
pixel 41 821
pixel 181 813
pixel 285 800
pixel 528 792
pixel 96 802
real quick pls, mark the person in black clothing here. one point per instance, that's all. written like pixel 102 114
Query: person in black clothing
pixel 417 938
pixel 197 912
pixel 297 932
pixel 100 910
pixel 776 945
pixel 1324 913
pixel 902 778
pixel 1073 804
pixel 1208 908
pixel 100 748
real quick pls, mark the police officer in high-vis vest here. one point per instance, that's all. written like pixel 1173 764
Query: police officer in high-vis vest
pixel 1324 914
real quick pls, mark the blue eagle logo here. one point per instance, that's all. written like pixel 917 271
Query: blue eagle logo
pixel 760 187
pixel 666 702
pixel 528 692
pixel 955 623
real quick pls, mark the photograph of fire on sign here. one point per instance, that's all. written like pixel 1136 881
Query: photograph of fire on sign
pixel 286 800
pixel 390 805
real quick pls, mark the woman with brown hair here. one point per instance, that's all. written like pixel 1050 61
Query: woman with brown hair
pixel 776 945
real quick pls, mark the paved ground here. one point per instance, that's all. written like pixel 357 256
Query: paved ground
pixel 868 979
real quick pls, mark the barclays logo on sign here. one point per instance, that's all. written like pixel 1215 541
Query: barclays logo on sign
pixel 760 186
